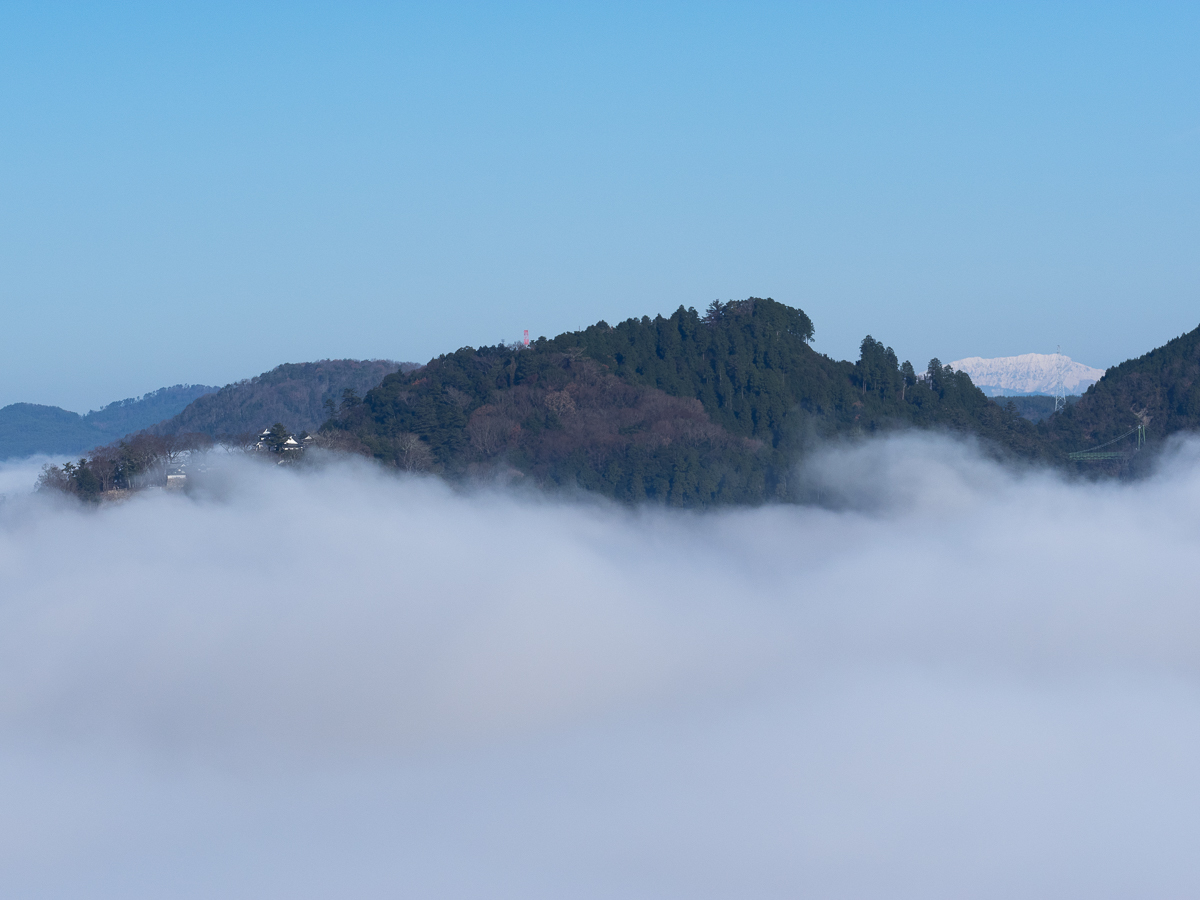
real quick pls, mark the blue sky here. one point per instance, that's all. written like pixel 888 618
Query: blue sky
pixel 199 194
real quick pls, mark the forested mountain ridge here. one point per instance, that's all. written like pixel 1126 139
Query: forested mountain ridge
pixel 750 364
pixel 297 394
pixel 559 417
pixel 29 428
pixel 1159 390
pixel 688 409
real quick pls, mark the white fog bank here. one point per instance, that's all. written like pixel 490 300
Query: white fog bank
pixel 18 477
pixel 964 682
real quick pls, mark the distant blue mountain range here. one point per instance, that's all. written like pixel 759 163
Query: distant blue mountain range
pixel 28 428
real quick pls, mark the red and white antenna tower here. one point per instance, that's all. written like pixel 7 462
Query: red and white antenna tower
pixel 526 337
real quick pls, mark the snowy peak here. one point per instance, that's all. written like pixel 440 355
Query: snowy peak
pixel 1029 373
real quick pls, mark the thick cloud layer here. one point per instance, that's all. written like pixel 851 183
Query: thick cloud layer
pixel 954 680
pixel 19 476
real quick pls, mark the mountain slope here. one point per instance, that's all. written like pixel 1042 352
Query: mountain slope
pixel 294 394
pixel 750 365
pixel 686 409
pixel 1160 390
pixel 1029 373
pixel 27 428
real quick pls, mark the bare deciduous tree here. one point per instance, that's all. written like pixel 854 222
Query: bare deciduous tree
pixel 412 454
pixel 488 433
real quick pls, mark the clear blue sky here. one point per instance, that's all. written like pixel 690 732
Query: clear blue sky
pixel 199 194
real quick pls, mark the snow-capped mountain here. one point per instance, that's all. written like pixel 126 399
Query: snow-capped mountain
pixel 1029 373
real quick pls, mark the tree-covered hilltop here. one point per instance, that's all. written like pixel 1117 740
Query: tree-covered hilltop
pixel 688 409
pixel 146 460
pixel 297 394
pixel 557 416
pixel 295 397
pixel 1159 390
pixel 750 364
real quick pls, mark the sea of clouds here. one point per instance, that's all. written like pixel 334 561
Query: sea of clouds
pixel 952 679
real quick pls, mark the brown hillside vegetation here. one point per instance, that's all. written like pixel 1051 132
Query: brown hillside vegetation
pixel 596 417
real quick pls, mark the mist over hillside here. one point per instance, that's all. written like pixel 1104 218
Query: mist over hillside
pixel 686 410
pixel 334 682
